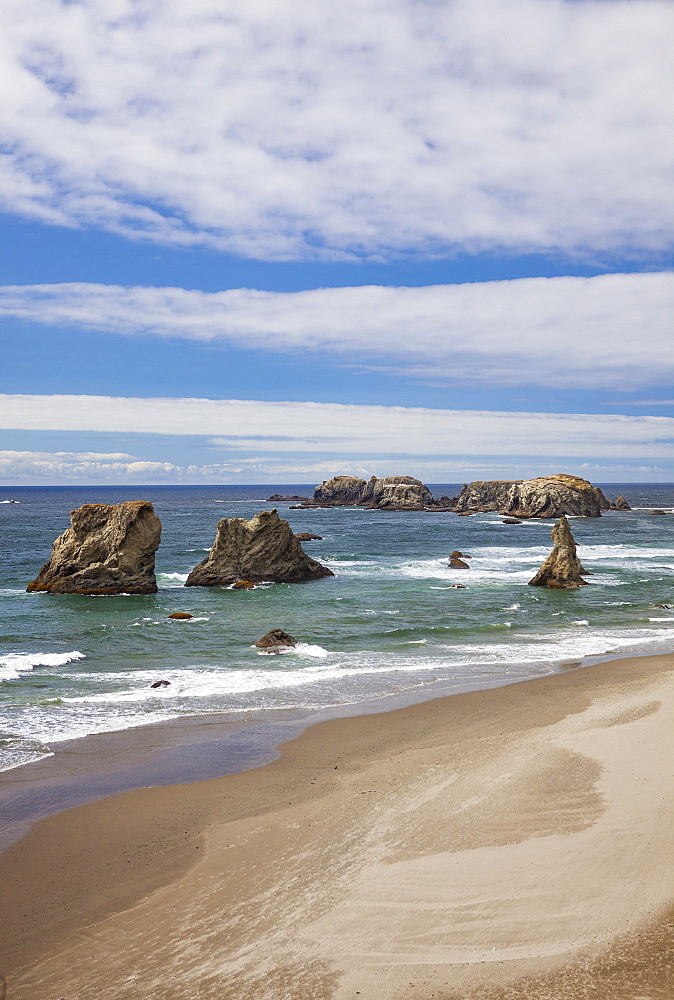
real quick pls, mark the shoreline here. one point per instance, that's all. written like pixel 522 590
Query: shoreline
pixel 460 843
pixel 194 748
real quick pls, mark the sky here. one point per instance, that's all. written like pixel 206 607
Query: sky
pixel 277 241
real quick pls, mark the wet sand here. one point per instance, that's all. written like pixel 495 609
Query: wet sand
pixel 500 844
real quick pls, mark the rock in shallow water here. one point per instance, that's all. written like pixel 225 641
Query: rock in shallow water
pixel 263 548
pixel 108 549
pixel 276 639
pixel 181 615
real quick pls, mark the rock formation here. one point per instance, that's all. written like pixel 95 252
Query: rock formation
pixel 340 491
pixel 389 493
pixel 277 496
pixel 457 563
pixel 307 536
pixel 621 504
pixel 263 548
pixel 562 570
pixel 276 639
pixel 545 497
pixel 180 615
pixel 511 520
pixel 658 512
pixel 243 585
pixel 108 549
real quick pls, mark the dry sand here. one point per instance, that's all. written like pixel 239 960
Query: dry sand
pixel 502 844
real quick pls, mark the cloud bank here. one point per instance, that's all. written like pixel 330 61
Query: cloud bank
pixel 322 429
pixel 613 330
pixel 291 129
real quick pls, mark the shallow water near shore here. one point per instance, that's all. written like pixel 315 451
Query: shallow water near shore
pixel 388 623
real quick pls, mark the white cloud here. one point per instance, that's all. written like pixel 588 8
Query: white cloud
pixel 84 467
pixel 323 429
pixel 88 468
pixel 286 128
pixel 564 331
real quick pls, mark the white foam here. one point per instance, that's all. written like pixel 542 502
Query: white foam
pixel 171 580
pixel 12 665
pixel 301 649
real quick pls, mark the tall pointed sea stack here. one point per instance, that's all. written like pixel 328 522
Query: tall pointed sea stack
pixel 263 548
pixel 562 570
pixel 108 549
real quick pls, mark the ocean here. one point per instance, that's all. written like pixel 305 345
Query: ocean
pixel 389 622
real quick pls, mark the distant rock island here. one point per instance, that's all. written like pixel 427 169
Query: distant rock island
pixel 108 549
pixel 263 548
pixel 544 497
pixel 389 493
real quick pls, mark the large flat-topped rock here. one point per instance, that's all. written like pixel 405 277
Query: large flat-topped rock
pixel 263 548
pixel 397 492
pixel 546 497
pixel 108 549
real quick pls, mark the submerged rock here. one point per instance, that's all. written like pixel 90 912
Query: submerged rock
pixel 562 570
pixel 511 520
pixel 658 512
pixel 277 497
pixel 276 639
pixel 263 548
pixel 544 497
pixel 181 615
pixel 162 684
pixel 243 585
pixel 108 549
pixel 307 536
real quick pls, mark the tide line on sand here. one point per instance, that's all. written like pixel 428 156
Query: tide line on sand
pixel 507 843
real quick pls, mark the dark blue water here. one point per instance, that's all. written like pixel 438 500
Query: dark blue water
pixel 389 621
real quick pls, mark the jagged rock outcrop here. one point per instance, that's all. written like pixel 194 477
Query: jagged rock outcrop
pixel 621 504
pixel 544 497
pixel 108 549
pixel 340 491
pixel 398 492
pixel 562 570
pixel 263 548
pixel 388 493
pixel 276 639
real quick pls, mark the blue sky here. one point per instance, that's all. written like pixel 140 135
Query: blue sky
pixel 431 238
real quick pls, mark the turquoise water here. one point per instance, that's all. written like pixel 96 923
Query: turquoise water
pixel 388 622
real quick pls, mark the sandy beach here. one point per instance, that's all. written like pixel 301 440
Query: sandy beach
pixel 499 844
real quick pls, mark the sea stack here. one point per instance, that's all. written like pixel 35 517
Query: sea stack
pixel 562 570
pixel 108 549
pixel 263 548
